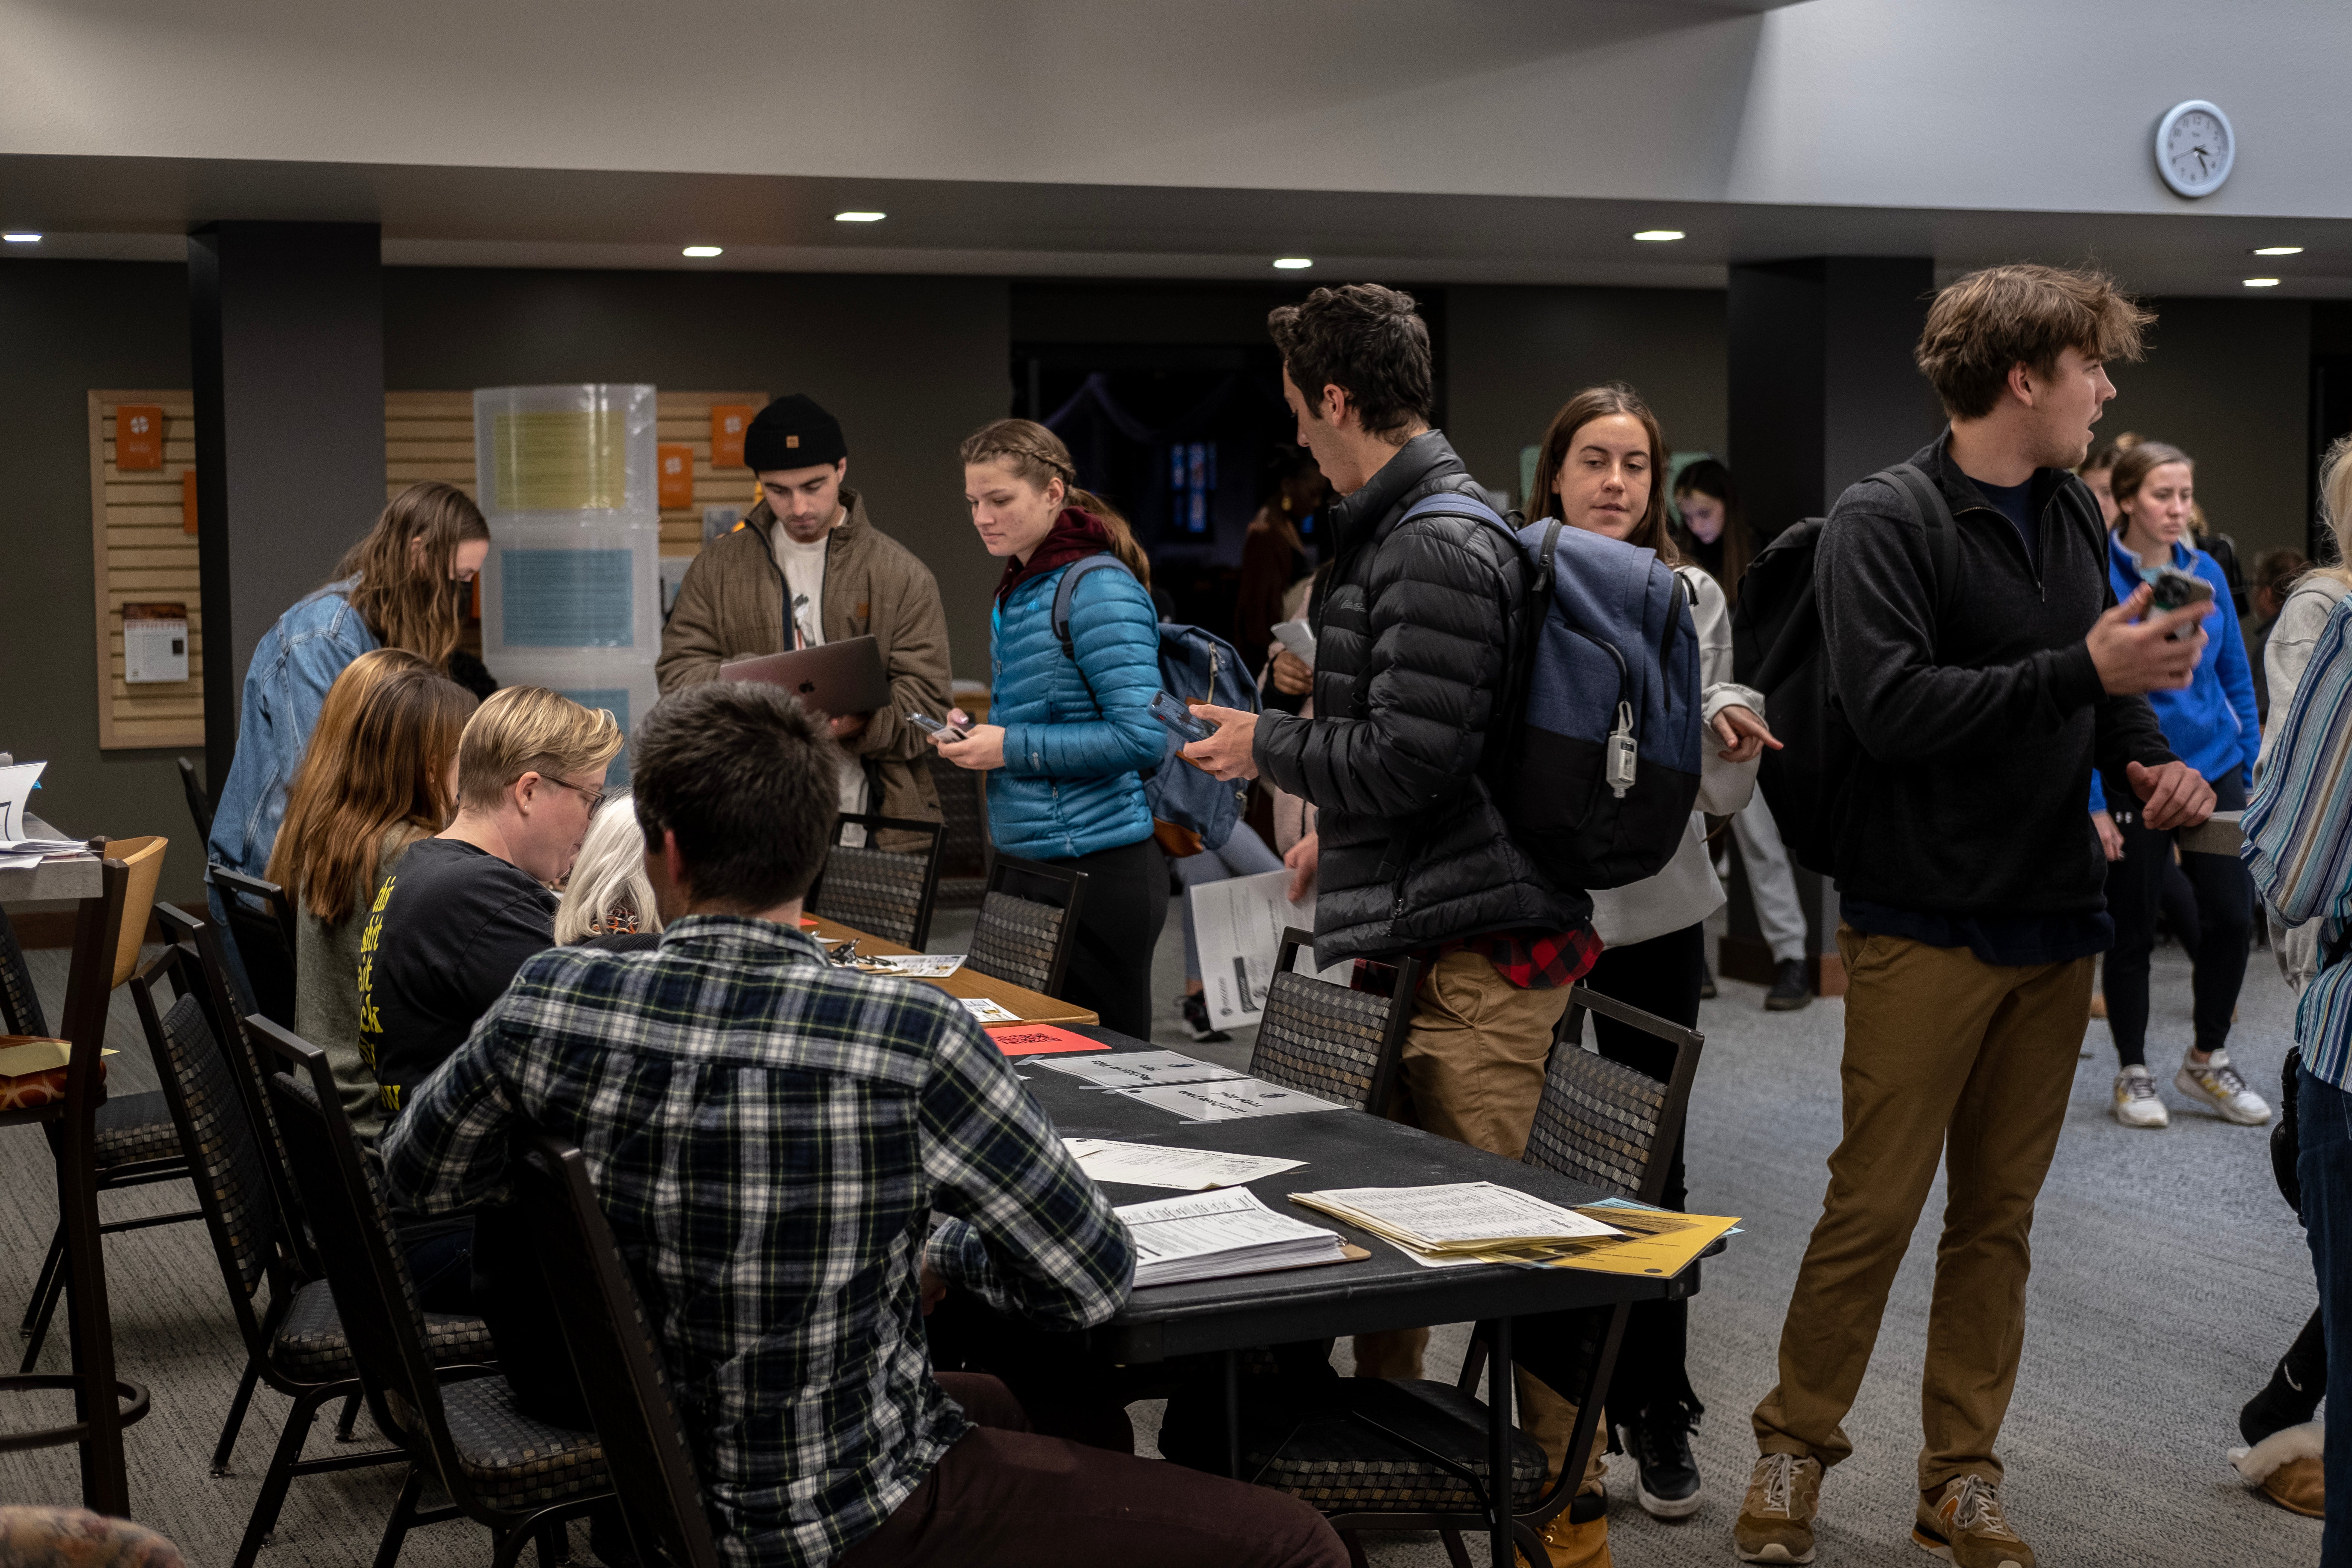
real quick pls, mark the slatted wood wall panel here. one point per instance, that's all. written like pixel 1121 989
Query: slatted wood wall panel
pixel 141 553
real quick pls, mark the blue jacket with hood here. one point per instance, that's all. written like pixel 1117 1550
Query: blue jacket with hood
pixel 2210 724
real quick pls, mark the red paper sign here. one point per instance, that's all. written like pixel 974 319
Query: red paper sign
pixel 728 423
pixel 674 465
pixel 138 436
pixel 1040 1040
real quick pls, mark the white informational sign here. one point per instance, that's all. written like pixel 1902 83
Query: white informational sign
pixel 1240 924
pixel 17 784
pixel 1241 1099
pixel 1142 1069
pixel 154 645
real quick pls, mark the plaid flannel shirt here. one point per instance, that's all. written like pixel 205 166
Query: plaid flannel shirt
pixel 768 1136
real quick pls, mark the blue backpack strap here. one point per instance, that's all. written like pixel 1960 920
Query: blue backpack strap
pixel 1068 586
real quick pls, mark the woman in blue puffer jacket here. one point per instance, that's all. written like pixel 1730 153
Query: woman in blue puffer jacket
pixel 2211 726
pixel 1072 728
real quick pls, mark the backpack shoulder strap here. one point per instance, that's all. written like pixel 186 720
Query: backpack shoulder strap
pixel 1067 588
pixel 1935 516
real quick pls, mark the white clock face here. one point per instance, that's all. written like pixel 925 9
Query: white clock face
pixel 2194 149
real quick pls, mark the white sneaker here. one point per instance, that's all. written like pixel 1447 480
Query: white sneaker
pixel 2135 1102
pixel 2216 1083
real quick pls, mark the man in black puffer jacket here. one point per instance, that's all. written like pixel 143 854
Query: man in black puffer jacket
pixel 1411 623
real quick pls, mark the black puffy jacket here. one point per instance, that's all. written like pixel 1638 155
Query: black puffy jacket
pixel 1411 628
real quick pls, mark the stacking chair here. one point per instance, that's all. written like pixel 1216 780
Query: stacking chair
pixel 1328 1040
pixel 521 1476
pixel 260 919
pixel 135 1143
pixel 620 1367
pixel 200 805
pixel 963 838
pixel 884 893
pixel 297 1344
pixel 1413 1456
pixel 1028 918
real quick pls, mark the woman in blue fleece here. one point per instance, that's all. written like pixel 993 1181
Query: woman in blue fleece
pixel 1072 727
pixel 2212 727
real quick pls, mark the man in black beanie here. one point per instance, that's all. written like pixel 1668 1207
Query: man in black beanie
pixel 805 568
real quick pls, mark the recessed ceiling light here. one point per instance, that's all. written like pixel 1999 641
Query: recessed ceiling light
pixel 1659 234
pixel 859 217
pixel 1293 263
pixel 2278 250
pixel 702 250
pixel 2261 282
pixel 21 238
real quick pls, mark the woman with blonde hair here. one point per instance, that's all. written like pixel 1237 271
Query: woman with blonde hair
pixel 399 586
pixel 380 774
pixel 1072 728
pixel 608 900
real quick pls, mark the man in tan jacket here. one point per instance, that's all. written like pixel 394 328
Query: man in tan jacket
pixel 808 567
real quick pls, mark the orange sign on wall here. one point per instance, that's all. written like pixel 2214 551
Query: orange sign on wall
pixel 728 423
pixel 674 465
pixel 137 436
pixel 188 501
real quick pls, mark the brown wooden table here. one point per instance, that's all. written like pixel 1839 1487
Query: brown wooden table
pixel 1033 1006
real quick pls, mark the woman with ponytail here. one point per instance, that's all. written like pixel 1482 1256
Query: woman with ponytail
pixel 1072 728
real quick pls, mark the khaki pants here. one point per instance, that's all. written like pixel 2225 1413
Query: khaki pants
pixel 1473 1070
pixel 1943 1054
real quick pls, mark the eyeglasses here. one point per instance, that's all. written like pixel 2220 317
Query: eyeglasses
pixel 593 798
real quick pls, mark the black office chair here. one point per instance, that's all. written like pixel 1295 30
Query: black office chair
pixel 1413 1455
pixel 1028 918
pixel 296 1344
pixel 519 1477
pixel 964 842
pixel 260 920
pixel 884 892
pixel 1328 1040
pixel 200 805
pixel 621 1371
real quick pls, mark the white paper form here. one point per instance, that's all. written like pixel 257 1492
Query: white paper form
pixel 1460 1213
pixel 1186 1170
pixel 1214 1235
pixel 912 966
pixel 1239 923
pixel 1236 1101
pixel 1142 1069
pixel 989 1012
pixel 17 784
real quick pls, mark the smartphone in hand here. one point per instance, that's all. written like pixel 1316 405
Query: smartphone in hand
pixel 1188 726
pixel 930 726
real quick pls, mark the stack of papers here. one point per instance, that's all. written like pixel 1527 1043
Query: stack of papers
pixel 1186 1170
pixel 1237 1100
pixel 1142 1069
pixel 1215 1236
pixel 988 1011
pixel 1462 1222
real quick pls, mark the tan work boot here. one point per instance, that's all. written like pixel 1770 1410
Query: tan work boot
pixel 1962 1523
pixel 1776 1517
pixel 1572 1545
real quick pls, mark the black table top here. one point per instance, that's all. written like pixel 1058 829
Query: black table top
pixel 1342 1148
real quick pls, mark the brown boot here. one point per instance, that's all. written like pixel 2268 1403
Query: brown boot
pixel 1573 1545
pixel 1961 1522
pixel 2285 1466
pixel 1776 1517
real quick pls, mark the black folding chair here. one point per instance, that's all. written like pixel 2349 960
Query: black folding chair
pixel 1328 1040
pixel 260 919
pixel 521 1476
pixel 963 839
pixel 296 1344
pixel 887 893
pixel 1028 918
pixel 622 1375
pixel 200 805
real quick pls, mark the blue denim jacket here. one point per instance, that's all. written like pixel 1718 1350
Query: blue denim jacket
pixel 293 665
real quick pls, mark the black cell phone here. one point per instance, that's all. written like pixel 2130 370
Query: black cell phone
pixel 1189 727
pixel 930 726
pixel 2176 589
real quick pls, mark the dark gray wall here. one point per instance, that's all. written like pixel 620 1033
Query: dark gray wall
pixel 909 365
pixel 67 327
pixel 1513 355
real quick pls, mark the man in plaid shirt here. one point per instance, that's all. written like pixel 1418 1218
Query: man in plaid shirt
pixel 769 1137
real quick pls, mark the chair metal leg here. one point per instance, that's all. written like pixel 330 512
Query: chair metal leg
pixel 554 1544
pixel 350 1423
pixel 1455 1553
pixel 42 1310
pixel 44 1279
pixel 395 1528
pixel 235 1422
pixel 1500 1492
pixel 281 1474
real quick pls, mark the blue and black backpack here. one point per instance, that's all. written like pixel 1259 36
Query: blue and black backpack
pixel 1598 769
pixel 1191 811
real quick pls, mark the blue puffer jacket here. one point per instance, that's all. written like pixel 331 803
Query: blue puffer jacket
pixel 2210 724
pixel 1070 783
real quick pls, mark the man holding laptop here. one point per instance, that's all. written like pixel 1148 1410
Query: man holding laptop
pixel 807 570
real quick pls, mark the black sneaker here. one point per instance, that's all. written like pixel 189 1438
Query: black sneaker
pixel 1196 1009
pixel 1665 1476
pixel 1790 991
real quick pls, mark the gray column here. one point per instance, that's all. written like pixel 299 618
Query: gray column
pixel 1822 390
pixel 287 324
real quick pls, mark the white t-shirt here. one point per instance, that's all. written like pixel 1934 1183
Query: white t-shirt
pixel 804 569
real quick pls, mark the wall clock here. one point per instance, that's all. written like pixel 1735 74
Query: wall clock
pixel 2195 148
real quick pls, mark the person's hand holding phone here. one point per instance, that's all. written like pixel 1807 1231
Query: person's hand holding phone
pixel 979 747
pixel 2134 656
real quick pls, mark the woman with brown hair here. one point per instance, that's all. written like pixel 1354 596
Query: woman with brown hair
pixel 1714 533
pixel 380 774
pixel 397 587
pixel 1071 729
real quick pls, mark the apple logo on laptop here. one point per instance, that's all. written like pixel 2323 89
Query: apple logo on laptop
pixel 806 687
